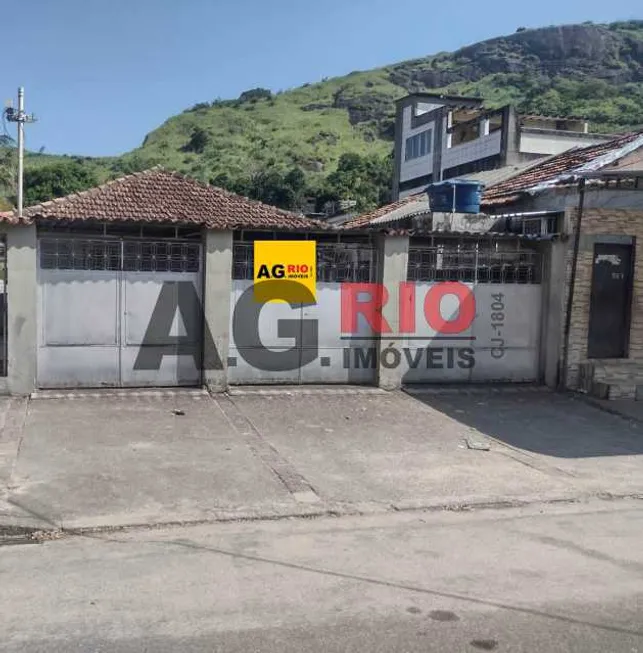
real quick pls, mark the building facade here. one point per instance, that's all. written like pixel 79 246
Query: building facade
pixel 595 195
pixel 148 281
pixel 440 137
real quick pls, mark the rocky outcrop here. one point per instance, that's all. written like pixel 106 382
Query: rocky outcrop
pixel 602 52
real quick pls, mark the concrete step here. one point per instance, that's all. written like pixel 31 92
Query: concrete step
pixel 616 390
pixel 613 379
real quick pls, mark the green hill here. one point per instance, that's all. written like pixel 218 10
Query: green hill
pixel 250 144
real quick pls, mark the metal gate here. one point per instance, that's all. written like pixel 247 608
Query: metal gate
pixel 336 263
pixel 96 300
pixel 502 343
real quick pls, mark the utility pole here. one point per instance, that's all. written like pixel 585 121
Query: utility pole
pixel 20 117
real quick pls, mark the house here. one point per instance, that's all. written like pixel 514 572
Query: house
pixel 147 281
pixel 590 322
pixel 439 137
pixel 85 275
pixel 594 196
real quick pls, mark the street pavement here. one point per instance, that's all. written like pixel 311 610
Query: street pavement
pixel 319 519
pixel 563 577
pixel 113 459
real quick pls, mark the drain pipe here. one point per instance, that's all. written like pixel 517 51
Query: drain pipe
pixel 572 283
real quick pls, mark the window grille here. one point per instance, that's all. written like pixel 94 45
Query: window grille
pixel 474 265
pixel 336 262
pixel 131 256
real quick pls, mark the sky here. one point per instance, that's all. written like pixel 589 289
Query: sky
pixel 101 74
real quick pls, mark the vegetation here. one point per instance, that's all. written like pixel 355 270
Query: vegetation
pixel 7 178
pixel 56 180
pixel 333 139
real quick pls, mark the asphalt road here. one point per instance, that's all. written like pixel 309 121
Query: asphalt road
pixel 544 578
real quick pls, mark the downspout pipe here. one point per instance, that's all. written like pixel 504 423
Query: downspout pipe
pixel 572 284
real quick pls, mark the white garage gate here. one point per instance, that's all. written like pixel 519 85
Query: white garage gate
pixel 321 358
pixel 503 341
pixel 96 298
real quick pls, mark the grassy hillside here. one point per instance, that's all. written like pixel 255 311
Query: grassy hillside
pixel 595 71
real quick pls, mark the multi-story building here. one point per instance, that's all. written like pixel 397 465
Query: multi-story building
pixel 440 137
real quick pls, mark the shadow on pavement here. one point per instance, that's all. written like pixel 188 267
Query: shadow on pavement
pixel 537 420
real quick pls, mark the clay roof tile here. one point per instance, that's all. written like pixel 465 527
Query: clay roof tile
pixel 159 195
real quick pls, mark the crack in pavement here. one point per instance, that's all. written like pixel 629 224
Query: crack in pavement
pixel 382 582
pixel 295 483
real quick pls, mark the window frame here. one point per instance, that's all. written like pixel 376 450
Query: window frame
pixel 419 145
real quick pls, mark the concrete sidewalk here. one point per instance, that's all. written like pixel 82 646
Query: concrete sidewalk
pixel 86 460
pixel 626 408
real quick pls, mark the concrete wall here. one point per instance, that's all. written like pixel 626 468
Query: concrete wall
pixel 553 310
pixel 565 199
pixel 547 143
pixel 21 289
pixel 394 257
pixel 217 289
pixel 479 148
pixel 425 107
pixel 463 222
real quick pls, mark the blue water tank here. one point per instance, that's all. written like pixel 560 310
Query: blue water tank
pixel 459 195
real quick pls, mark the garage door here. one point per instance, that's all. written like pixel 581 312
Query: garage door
pixel 502 341
pixel 322 357
pixel 97 298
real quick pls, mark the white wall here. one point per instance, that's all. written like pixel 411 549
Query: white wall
pixel 479 148
pixel 547 143
pixel 425 107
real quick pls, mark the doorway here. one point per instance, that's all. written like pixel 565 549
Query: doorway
pixel 610 301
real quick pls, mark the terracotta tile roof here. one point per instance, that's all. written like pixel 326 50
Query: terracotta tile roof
pixel 554 169
pixel 366 219
pixel 158 195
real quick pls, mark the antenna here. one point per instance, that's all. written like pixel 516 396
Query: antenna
pixel 20 118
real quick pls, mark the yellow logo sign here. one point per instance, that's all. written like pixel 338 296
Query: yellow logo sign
pixel 285 270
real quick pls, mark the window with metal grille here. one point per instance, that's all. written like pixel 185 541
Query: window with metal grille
pixel 345 262
pixel 131 256
pixel 474 264
pixel 79 254
pixel 336 262
pixel 161 256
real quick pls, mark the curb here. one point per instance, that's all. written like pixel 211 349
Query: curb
pixel 606 408
pixel 242 391
pixel 125 393
pixel 31 535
